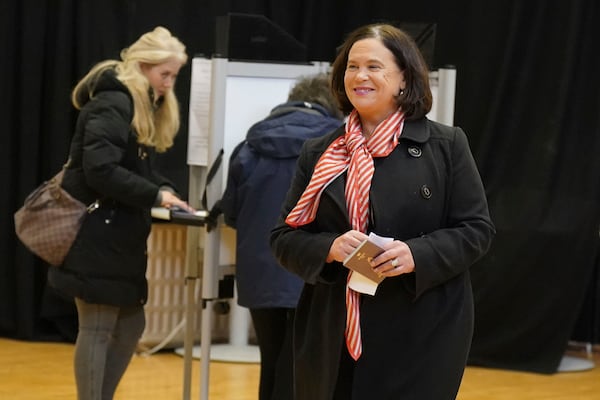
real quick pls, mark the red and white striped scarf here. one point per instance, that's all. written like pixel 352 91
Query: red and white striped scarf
pixel 352 152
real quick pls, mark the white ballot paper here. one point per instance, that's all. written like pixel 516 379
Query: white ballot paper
pixel 359 282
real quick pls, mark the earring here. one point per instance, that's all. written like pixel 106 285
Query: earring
pixel 401 92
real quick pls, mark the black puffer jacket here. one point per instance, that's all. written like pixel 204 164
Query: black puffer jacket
pixel 107 263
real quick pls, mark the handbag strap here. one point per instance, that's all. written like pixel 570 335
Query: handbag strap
pixel 93 206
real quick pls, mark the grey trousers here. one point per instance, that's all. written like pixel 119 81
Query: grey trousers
pixel 106 341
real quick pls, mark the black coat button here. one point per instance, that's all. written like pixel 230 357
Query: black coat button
pixel 415 151
pixel 425 192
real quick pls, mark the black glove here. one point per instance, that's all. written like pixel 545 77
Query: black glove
pixel 213 216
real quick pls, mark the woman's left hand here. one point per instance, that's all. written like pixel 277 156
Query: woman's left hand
pixel 396 260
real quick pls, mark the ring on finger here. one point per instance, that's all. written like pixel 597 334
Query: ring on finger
pixel 395 262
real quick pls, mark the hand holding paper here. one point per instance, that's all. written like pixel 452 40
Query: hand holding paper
pixel 364 279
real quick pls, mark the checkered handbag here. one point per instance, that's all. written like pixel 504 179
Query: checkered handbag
pixel 49 220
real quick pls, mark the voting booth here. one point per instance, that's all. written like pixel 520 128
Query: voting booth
pixel 226 98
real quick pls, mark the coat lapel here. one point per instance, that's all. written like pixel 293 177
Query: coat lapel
pixel 336 192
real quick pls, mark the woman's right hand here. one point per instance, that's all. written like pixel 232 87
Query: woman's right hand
pixel 344 245
pixel 170 200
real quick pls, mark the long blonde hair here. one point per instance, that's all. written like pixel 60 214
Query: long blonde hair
pixel 155 128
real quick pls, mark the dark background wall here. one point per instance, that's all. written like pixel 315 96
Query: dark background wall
pixel 527 95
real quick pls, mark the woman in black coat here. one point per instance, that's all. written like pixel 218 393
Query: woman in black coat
pixel 393 172
pixel 127 112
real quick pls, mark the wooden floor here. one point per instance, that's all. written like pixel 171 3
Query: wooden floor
pixel 40 371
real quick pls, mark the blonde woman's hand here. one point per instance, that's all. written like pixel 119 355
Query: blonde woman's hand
pixel 170 200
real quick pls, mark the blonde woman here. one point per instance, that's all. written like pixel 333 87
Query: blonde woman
pixel 127 112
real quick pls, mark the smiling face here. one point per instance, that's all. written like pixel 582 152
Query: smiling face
pixel 372 80
pixel 161 76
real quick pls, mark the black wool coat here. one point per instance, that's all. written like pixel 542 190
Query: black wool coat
pixel 107 263
pixel 417 328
